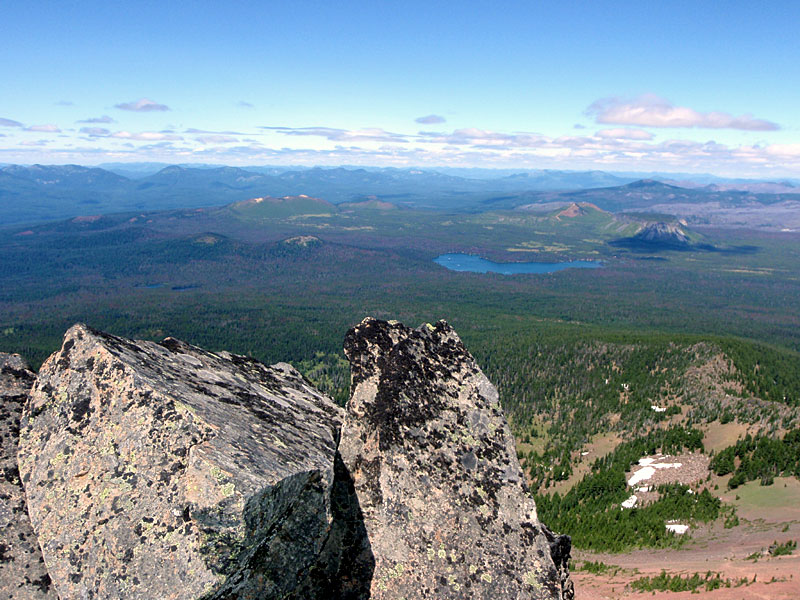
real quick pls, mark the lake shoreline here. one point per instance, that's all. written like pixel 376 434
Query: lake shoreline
pixel 475 264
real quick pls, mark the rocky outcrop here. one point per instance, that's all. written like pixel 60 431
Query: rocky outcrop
pixel 434 469
pixel 663 233
pixel 165 471
pixel 22 572
pixel 160 470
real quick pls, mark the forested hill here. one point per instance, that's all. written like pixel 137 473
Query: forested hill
pixel 563 386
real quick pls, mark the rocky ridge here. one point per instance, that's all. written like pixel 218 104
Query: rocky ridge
pixel 161 470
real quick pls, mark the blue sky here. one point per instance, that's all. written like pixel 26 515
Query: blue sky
pixel 670 86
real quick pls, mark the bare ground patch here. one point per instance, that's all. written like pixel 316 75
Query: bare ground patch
pixel 714 549
pixel 767 514
pixel 717 436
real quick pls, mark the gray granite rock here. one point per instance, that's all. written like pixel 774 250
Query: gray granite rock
pixel 434 468
pixel 165 471
pixel 22 572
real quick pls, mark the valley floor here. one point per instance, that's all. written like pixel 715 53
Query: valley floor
pixel 713 548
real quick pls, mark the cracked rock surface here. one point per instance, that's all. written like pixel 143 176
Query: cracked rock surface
pixel 165 471
pixel 22 572
pixel 435 471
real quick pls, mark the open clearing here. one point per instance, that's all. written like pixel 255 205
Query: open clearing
pixel 767 514
pixel 721 436
pixel 776 503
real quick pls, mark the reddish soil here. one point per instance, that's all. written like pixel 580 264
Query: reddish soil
pixel 573 210
pixel 713 548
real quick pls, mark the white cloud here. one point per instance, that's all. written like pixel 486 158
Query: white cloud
pixel 430 119
pixel 784 150
pixel 160 146
pixel 95 131
pixel 103 119
pixel 343 135
pixel 483 138
pixel 9 123
pixel 216 139
pixel 624 134
pixel 149 136
pixel 650 110
pixel 206 131
pixel 49 128
pixel 142 105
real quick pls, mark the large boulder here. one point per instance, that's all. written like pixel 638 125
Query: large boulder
pixel 434 469
pixel 165 471
pixel 22 572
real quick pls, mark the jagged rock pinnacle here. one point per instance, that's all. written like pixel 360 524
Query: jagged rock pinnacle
pixel 443 498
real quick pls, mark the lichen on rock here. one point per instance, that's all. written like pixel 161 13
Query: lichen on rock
pixel 23 575
pixel 444 501
pixel 165 471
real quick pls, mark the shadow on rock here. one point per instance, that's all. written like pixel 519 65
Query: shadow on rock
pixel 346 564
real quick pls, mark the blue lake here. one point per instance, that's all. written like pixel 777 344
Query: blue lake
pixel 476 264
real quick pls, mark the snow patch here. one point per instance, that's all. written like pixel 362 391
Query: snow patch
pixel 677 528
pixel 630 502
pixel 642 474
pixel 649 466
pixel 658 408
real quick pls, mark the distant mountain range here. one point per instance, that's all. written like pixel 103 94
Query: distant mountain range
pixel 647 194
pixel 47 192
